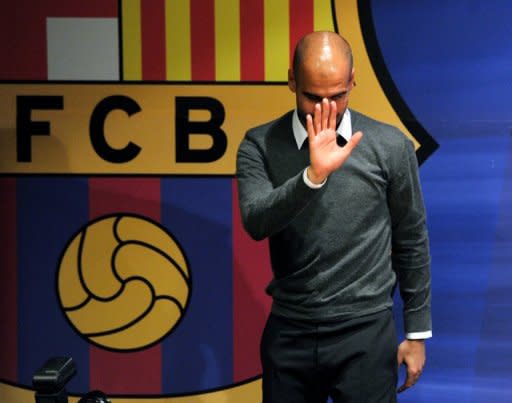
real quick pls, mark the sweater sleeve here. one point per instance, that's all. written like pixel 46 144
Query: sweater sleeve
pixel 267 209
pixel 410 245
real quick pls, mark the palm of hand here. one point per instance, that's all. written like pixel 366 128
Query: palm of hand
pixel 324 152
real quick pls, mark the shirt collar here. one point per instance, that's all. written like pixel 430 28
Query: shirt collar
pixel 344 129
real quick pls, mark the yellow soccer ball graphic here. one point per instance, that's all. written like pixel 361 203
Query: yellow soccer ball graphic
pixel 123 282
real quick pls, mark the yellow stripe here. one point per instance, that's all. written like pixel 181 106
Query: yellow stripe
pixel 323 15
pixel 177 35
pixel 227 40
pixel 277 38
pixel 132 59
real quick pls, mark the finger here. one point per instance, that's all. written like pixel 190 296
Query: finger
pixel 401 388
pixel 317 120
pixel 325 113
pixel 332 116
pixel 414 374
pixel 309 127
pixel 407 384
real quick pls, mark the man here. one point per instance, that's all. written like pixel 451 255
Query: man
pixel 338 196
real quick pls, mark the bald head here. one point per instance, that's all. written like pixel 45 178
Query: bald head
pixel 321 52
pixel 322 69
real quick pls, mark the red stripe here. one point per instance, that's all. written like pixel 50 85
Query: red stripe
pixel 202 39
pixel 252 48
pixel 152 15
pixel 125 373
pixel 301 21
pixel 8 281
pixel 251 274
pixel 23 33
pixel 66 8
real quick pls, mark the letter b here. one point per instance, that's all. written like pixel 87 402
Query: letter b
pixel 184 128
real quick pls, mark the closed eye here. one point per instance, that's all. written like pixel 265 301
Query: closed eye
pixel 313 97
pixel 318 99
pixel 339 96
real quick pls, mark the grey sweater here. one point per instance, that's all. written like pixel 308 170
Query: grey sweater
pixel 338 251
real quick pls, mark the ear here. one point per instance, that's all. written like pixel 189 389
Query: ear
pixel 292 84
pixel 353 78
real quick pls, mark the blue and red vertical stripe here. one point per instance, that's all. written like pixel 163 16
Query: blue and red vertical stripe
pixel 41 214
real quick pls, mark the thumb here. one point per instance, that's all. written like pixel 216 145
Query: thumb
pixel 399 357
pixel 354 141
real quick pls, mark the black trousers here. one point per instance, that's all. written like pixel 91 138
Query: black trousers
pixel 351 361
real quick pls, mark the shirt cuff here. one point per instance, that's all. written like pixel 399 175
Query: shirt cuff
pixel 419 335
pixel 309 183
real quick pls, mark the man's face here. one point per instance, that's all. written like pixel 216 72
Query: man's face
pixel 312 85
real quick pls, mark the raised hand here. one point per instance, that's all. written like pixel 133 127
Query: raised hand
pixel 324 153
